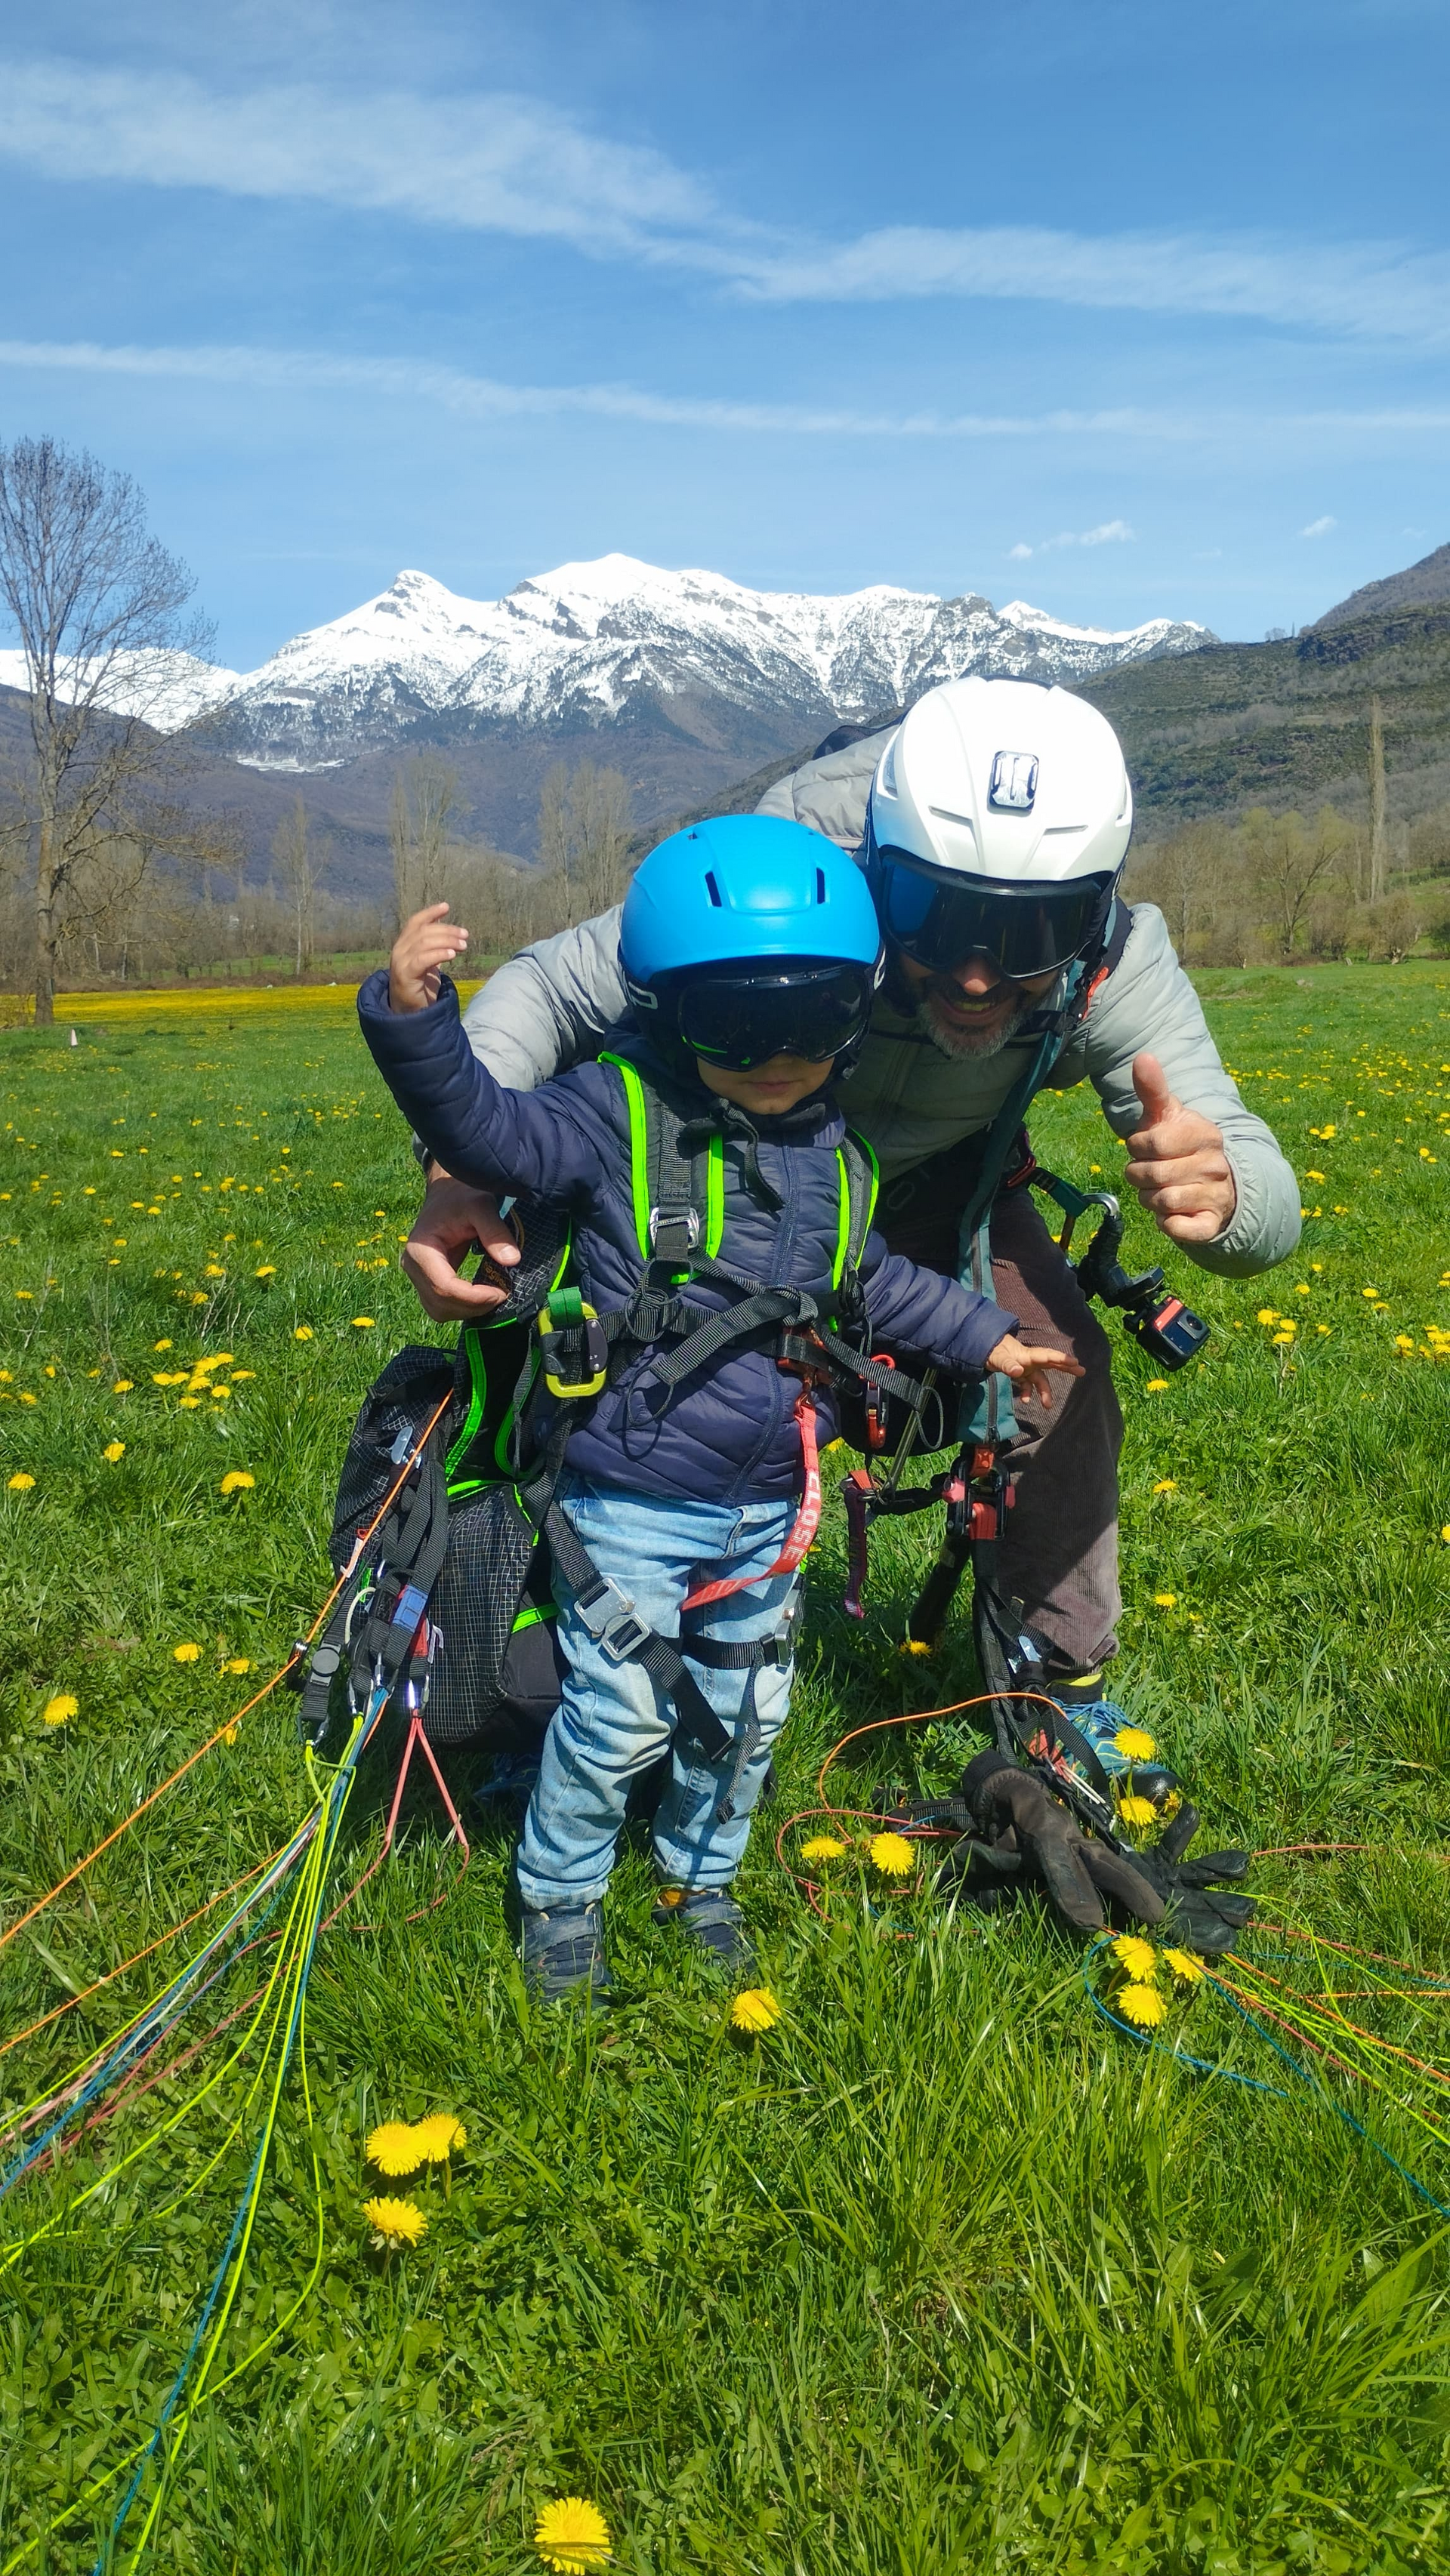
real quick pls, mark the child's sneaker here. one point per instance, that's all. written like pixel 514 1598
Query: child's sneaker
pixel 713 1921
pixel 563 1951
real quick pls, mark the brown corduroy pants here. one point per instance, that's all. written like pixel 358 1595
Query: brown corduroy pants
pixel 1060 1554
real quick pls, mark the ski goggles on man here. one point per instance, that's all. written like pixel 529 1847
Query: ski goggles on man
pixel 940 921
pixel 741 1020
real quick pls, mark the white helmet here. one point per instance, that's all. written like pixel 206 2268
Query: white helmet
pixel 998 823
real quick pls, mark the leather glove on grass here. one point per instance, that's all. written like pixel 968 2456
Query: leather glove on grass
pixel 1079 1876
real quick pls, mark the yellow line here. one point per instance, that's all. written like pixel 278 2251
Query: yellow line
pixel 187 1001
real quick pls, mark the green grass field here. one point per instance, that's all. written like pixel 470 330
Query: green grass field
pixel 941 2274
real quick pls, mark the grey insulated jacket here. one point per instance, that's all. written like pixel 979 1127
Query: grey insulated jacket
pixel 551 1005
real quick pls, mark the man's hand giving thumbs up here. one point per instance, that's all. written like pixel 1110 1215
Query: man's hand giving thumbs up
pixel 1177 1163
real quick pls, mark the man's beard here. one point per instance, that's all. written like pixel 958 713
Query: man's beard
pixel 951 1039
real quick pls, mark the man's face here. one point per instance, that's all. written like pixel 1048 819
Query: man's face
pixel 973 1009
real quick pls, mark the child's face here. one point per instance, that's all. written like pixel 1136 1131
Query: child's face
pixel 768 1089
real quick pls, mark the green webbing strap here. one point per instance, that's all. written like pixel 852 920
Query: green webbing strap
pixel 634 1097
pixel 863 1180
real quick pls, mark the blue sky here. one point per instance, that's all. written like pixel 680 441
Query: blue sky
pixel 1121 306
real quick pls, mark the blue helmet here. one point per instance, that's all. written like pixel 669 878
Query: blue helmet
pixel 747 937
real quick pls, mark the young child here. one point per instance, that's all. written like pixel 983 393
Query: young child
pixel 751 952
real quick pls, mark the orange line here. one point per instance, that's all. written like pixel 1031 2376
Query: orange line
pixel 920 1716
pixel 182 1768
pixel 136 1957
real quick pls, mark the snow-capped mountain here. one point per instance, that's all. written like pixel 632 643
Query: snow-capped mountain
pixel 601 645
pixel 166 690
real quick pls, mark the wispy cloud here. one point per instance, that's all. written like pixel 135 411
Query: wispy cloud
pixel 415 380
pixel 510 164
pixel 1378 290
pixel 1113 532
pixel 1319 527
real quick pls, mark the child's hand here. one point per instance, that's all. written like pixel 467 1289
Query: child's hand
pixel 1029 1368
pixel 424 943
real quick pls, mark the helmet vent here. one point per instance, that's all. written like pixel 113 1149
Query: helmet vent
pixel 713 891
pixel 820 885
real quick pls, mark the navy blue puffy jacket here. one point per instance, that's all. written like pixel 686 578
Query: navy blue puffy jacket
pixel 726 1434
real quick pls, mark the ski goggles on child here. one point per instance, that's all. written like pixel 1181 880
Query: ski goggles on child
pixel 740 1020
pixel 940 921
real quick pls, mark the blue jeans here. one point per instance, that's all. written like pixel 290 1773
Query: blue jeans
pixel 612 1722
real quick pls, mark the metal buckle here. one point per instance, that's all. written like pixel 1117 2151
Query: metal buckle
pixel 612 1619
pixel 595 1354
pixel 688 1217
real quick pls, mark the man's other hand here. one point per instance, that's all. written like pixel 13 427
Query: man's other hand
pixel 453 1221
pixel 1177 1163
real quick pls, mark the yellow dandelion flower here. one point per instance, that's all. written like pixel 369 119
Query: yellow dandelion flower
pixel 230 1733
pixel 394 2223
pixel 237 1481
pixel 1136 1743
pixel 1187 1969
pixel 1267 1315
pixel 1165 1485
pixel 755 2010
pixel 237 1664
pixel 394 2148
pixel 1142 2005
pixel 1135 1810
pixel 213 1270
pixel 893 1855
pixel 187 1654
pixel 1314 1176
pixel 123 1386
pixel 1136 1956
pixel 439 2137
pixel 113 1452
pixel 29 1480
pixel 268 1271
pixel 822 1847
pixel 363 1323
pixel 22 1483
pixel 57 1710
pixel 189 1403
pixel 1165 1600
pixel 302 1333
pixel 161 1346
pixel 1157 1385
pixel 571 2536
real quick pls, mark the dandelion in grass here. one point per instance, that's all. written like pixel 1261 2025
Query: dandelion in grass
pixel 302 1333
pixel 123 1386
pixel 237 1481
pixel 1165 1600
pixel 439 2137
pixel 395 2223
pixel 822 1847
pixel 394 2148
pixel 1135 1743
pixel 1157 1385
pixel 893 1855
pixel 571 2536
pixel 21 1484
pixel 1165 1485
pixel 1143 2006
pixel 755 2010
pixel 363 1323
pixel 1184 1968
pixel 59 1710
pixel 237 1664
pixel 1135 1956
pixel 186 1654
pixel 113 1452
pixel 1134 1810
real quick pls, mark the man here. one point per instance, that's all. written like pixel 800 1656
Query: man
pixel 993 824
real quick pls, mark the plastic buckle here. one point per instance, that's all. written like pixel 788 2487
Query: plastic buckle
pixel 595 1353
pixel 612 1619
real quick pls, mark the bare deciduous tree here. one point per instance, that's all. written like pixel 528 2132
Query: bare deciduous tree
pixel 304 863
pixel 425 797
pixel 98 606
pixel 584 836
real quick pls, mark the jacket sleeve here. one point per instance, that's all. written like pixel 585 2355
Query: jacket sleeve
pixel 830 794
pixel 550 1006
pixel 1148 1005
pixel 922 1311
pixel 544 1145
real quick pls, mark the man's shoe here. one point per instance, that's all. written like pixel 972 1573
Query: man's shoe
pixel 713 1921
pixel 1125 1751
pixel 563 1952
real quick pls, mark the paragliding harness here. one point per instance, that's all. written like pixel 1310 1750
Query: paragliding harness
pixel 976 1488
pixel 452 1594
